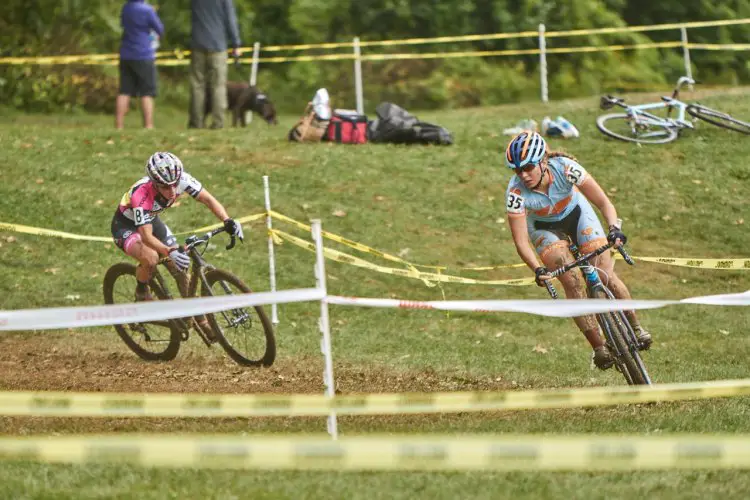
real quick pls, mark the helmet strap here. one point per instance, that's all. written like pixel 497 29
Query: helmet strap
pixel 541 177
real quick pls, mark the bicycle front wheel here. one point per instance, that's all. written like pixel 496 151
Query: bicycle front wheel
pixel 622 345
pixel 623 127
pixel 246 334
pixel 718 118
pixel 151 341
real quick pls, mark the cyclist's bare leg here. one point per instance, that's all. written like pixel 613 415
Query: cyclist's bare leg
pixel 606 265
pixel 556 256
pixel 147 260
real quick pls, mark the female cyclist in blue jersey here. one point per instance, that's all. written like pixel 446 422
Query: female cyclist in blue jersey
pixel 548 201
pixel 138 231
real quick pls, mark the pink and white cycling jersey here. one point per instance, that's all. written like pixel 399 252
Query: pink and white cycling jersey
pixel 142 202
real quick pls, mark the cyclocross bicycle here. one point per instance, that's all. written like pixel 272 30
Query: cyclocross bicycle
pixel 246 334
pixel 639 125
pixel 620 337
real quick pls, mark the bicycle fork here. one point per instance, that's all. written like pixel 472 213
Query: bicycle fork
pixel 594 284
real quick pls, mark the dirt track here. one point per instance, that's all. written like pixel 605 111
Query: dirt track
pixel 30 363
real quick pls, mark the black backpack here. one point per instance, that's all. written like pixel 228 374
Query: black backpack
pixel 397 126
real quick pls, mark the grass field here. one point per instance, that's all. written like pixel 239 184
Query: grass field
pixel 436 206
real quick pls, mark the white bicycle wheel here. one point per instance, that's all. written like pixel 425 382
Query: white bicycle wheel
pixel 620 126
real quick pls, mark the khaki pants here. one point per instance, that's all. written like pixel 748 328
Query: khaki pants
pixel 208 70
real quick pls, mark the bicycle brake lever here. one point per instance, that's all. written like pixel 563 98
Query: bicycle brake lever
pixel 551 289
pixel 231 242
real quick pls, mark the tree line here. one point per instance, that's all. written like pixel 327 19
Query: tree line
pixel 54 27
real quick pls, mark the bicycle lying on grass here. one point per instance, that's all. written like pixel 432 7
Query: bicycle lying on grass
pixel 639 125
pixel 620 337
pixel 246 334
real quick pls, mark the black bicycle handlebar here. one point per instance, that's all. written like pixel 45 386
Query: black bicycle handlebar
pixel 583 258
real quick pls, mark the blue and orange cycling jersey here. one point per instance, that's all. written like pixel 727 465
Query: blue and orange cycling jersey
pixel 142 202
pixel 561 198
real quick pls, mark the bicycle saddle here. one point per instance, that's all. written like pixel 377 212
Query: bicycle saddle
pixel 608 101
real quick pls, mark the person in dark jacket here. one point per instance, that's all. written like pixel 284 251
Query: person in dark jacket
pixel 213 22
pixel 140 26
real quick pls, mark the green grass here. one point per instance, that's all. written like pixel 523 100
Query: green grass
pixel 685 199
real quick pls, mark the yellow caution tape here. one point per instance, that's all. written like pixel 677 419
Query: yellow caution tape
pixel 427 278
pixel 241 220
pixel 388 452
pixel 350 243
pixel 92 404
pixel 19 228
pixel 729 264
pixel 719 46
pixel 180 54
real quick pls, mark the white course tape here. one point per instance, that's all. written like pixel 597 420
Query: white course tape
pixel 556 308
pixel 68 317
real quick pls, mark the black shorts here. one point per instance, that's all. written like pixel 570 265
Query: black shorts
pixel 137 78
pixel 125 232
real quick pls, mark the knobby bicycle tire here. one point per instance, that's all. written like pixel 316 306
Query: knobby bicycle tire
pixel 668 134
pixel 718 118
pixel 172 345
pixel 628 360
pixel 231 345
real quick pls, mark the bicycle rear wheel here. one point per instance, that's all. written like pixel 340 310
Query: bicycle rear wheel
pixel 624 348
pixel 246 334
pixel 152 341
pixel 622 126
pixel 718 118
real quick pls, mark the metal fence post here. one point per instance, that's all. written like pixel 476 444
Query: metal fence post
pixel 686 54
pixel 543 63
pixel 325 328
pixel 358 77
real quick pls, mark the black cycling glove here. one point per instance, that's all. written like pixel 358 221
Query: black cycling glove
pixel 234 228
pixel 539 271
pixel 616 233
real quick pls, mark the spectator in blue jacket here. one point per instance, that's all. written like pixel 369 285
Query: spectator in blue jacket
pixel 213 21
pixel 137 60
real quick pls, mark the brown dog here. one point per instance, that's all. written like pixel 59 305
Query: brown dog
pixel 242 97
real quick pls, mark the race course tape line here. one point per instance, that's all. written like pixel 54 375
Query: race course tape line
pixel 700 263
pixel 388 452
pixel 567 308
pixel 114 314
pixel 69 404
pixel 728 264
pixel 181 54
pixel 19 228
pixel 427 278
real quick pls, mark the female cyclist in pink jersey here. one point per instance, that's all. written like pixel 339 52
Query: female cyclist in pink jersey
pixel 547 201
pixel 137 229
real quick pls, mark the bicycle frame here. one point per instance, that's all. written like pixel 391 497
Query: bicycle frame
pixel 641 115
pixel 199 266
pixel 594 287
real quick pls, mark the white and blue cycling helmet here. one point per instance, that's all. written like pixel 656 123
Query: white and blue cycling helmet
pixel 527 148
pixel 164 168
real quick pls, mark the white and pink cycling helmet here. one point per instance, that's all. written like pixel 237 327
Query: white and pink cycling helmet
pixel 164 168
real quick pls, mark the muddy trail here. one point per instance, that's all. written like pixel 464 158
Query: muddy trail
pixel 59 367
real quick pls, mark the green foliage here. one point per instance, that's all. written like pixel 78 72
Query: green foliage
pixel 92 26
